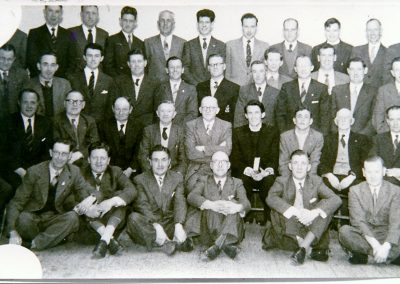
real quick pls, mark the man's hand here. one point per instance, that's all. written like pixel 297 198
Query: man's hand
pixel 93 211
pixel 333 180
pixel 200 148
pixel 347 181
pixel 248 172
pixel 381 252
pixel 15 238
pixel 84 205
pixel 308 216
pixel 105 206
pixel 21 172
pixel 75 156
pixel 161 236
pixel 179 233
pixel 128 171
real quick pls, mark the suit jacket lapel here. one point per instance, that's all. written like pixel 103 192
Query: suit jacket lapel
pixel 63 181
pixel 180 96
pixel 68 128
pixel 155 190
pixel 174 50
pixel 99 84
pixel 167 191
pixel 172 136
pixel 362 98
pixel 44 182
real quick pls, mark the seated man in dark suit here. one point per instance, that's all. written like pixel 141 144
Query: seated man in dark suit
pixel 302 208
pixel 115 191
pixel 120 44
pixel 342 157
pixel 19 40
pixel 93 83
pixel 76 126
pixel 182 94
pixel 44 209
pixel 219 203
pixel 122 133
pixel 165 133
pixel 273 59
pixel 225 91
pixel 160 209
pixel 374 215
pixel 255 153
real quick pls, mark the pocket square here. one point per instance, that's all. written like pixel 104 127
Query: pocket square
pixel 63 183
pixel 227 109
pixel 312 200
pixel 172 195
pixel 43 139
pixel 104 92
pixel 315 102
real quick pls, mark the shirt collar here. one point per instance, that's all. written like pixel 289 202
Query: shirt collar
pixel 211 123
pixel 244 40
pixel 25 118
pixel 347 134
pixel 88 71
pixel 172 83
pixel 378 44
pixel 208 38
pixel 397 86
pixel 263 85
pixel 212 81
pixel 126 35
pixel 394 136
pixel 95 175
pixel 86 29
pixel 167 126
pixel 76 119
pixel 357 86
pixel 53 171
pixel 297 182
pixel 134 77
pixel 50 27
pixel 42 81
pixel 287 44
pixel 223 180
pixel 306 83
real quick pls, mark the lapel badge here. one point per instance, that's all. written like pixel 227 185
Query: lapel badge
pixel 63 183
pixel 227 109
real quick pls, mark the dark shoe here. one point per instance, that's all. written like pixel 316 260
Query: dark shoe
pixel 231 251
pixel 396 261
pixel 114 247
pixel 298 256
pixel 187 245
pixel 358 258
pixel 100 250
pixel 169 247
pixel 319 254
pixel 212 252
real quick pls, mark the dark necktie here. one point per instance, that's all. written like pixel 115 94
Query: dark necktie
pixel 215 85
pixel 303 92
pixel 343 141
pixel 137 82
pixel 130 42
pixel 396 143
pixel 53 37
pixel 48 99
pixel 5 83
pixel 374 199
pixel 164 133
pixel 219 185
pixel 259 94
pixel 29 135
pixel 290 48
pixel 74 127
pixel 98 180
pixel 204 43
pixel 121 132
pixel 54 180
pixel 91 85
pixel 90 36
pixel 166 50
pixel 248 54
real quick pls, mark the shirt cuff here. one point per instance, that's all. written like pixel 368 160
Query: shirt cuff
pixel 118 201
pixel 321 213
pixel 289 212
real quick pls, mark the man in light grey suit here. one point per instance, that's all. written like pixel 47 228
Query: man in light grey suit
pixel 374 214
pixel 290 48
pixel 273 59
pixel 326 74
pixel 259 90
pixel 241 52
pixel 161 47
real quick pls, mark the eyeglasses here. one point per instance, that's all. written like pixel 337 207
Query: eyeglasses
pixel 220 162
pixel 60 154
pixel 208 108
pixel 74 102
pixel 216 64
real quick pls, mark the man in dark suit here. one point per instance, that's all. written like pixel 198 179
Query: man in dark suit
pixel 51 37
pixel 343 50
pixel 120 44
pixel 115 192
pixel 163 46
pixel 273 59
pixel 122 133
pixel 218 203
pixel 356 96
pixel 87 32
pixel 182 94
pixel 13 79
pixel 75 126
pixel 290 48
pixel 302 208
pixel 373 54
pixel 307 92
pixel 44 210
pixel 342 157
pixel 168 134
pixel 19 40
pixel 255 153
pixel 52 90
pixel 225 91
pixel 374 209
pixel 260 91
pixel 93 83
pixel 160 209
pixel 197 50
pixel 138 87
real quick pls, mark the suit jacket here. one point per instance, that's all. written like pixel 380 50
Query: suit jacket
pixel 60 88
pixel 227 94
pixel 289 143
pixel 363 109
pixel 98 106
pixel 269 100
pixel 384 148
pixel 176 145
pixel 343 53
pixel 196 70
pixel 317 101
pixel 243 153
pixel 79 41
pixel 387 96
pixel 282 79
pixel 383 222
pixel 18 153
pixel 157 205
pixel 236 67
pixel 116 54
pixel 39 41
pixel 32 194
pixel 301 48
pixel 87 131
pixel 126 154
pixel 156 62
pixel 186 105
pixel 19 41
pixel 392 52
pixel 358 145
pixel 316 194
pixel 143 106
pixel 340 78
pixel 376 72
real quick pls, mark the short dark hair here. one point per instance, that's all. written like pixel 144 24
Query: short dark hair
pixel 255 103
pixel 124 97
pixel 302 55
pixel 171 59
pixel 74 91
pixel 27 90
pixel 47 53
pixel 93 45
pixel 46 6
pixel 67 142
pixel 256 62
pixel 272 50
pixel 332 21
pixel 396 59
pixel 159 148
pixel 215 55
pixel 357 59
pixel 83 6
pixel 249 16
pixel 136 51
pixel 128 10
pixel 301 108
pixel 291 19
pixel 396 107
pixel 205 13
pixel 326 46
pixel 299 152
pixel 8 47
pixel 98 146
pixel 374 158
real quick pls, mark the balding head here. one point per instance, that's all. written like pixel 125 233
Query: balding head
pixel 344 119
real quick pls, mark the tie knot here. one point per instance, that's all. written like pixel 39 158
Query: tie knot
pixel 121 127
pixel 343 135
pixel 92 73
pixel 290 47
pixel 73 120
pixel 129 37
pixel 326 75
pixel 29 120
pixel 46 83
pixel 137 82
pixel 300 186
pixel 98 176
pixel 215 84
pixel 248 41
pixel 90 30
pixel 204 39
pixel 53 30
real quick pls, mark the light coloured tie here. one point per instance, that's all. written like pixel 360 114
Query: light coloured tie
pixel 166 49
pixel 372 55
pixel 160 182
pixel 208 129
pixel 374 199
pixel 353 99
pixel 298 201
pixel 174 92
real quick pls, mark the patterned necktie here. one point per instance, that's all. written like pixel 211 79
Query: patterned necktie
pixel 54 180
pixel 208 129
pixel 121 133
pixel 219 185
pixel 75 128
pixel 160 182
pixel 290 48
pixel 29 135
pixel 396 143
pixel 204 43
pixel 91 85
pixel 53 37
pixel 303 92
pixel 298 201
pixel 166 49
pixel 164 133
pixel 90 36
pixel 248 54
pixel 372 55
pixel 130 42
pixel 343 141
pixel 98 180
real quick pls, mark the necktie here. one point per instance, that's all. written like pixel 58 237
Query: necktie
pixel 48 99
pixel 353 99
pixel 290 48
pixel 74 127
pixel 90 36
pixel 98 180
pixel 303 93
pixel 29 135
pixel 219 186
pixel 160 182
pixel 121 133
pixel 343 141
pixel 54 180
pixel 174 92
pixel 91 85
pixel 130 42
pixel 327 80
pixel 374 199
pixel 204 43
pixel 164 133
pixel 298 201
pixel 215 85
pixel 259 94
pixel 166 49
pixel 248 54
pixel 208 129
pixel 53 37
pixel 372 55
pixel 396 143
pixel 5 83
pixel 137 82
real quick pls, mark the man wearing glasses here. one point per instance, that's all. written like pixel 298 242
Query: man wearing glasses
pixel 75 126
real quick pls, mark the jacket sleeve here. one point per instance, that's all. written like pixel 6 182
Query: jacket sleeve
pixel 358 216
pixel 180 207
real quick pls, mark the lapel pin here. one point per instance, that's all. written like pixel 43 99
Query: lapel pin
pixel 63 183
